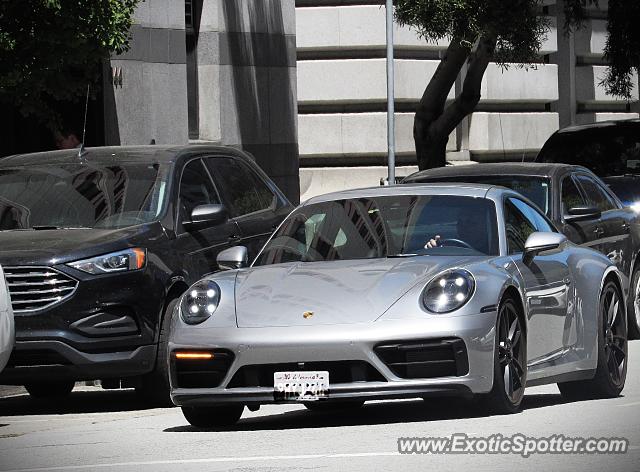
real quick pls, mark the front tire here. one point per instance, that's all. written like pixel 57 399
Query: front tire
pixel 633 309
pixel 155 386
pixel 611 372
pixel 212 416
pixel 510 361
pixel 54 389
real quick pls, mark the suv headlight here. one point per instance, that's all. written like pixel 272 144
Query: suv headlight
pixel 448 291
pixel 200 301
pixel 121 261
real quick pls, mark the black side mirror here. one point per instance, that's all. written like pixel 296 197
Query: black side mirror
pixel 582 213
pixel 205 216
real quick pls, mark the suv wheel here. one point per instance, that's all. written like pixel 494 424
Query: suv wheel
pixel 155 386
pixel 53 389
pixel 634 306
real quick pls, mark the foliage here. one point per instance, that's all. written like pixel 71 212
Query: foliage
pixel 51 49
pixel 514 25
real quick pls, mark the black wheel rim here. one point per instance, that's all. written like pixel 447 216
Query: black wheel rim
pixel 615 339
pixel 511 353
pixel 636 301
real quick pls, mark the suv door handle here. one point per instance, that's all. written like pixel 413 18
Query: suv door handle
pixel 598 231
pixel 626 226
pixel 233 237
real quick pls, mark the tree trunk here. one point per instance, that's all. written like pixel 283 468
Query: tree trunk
pixel 433 122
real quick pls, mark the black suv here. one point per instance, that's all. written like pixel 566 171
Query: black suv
pixel 98 244
pixel 610 149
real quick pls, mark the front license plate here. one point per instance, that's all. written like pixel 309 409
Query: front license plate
pixel 301 386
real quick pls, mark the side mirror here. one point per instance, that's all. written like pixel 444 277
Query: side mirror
pixel 235 257
pixel 205 216
pixel 582 213
pixel 540 242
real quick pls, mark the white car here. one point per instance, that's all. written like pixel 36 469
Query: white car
pixel 7 331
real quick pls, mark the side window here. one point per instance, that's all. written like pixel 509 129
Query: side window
pixel 244 191
pixel 517 226
pixel 597 195
pixel 196 189
pixel 539 222
pixel 571 196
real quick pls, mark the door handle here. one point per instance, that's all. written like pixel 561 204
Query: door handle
pixel 626 226
pixel 598 231
pixel 233 238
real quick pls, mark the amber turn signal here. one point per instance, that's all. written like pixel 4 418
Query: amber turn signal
pixel 194 355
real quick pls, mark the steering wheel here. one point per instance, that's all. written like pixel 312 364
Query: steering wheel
pixel 455 242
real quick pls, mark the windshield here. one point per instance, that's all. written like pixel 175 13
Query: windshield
pixel 535 189
pixel 81 195
pixel 605 152
pixel 390 226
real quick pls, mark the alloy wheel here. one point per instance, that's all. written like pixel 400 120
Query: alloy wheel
pixel 511 353
pixel 615 340
pixel 636 302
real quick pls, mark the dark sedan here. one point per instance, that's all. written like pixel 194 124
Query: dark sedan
pixel 98 245
pixel 578 202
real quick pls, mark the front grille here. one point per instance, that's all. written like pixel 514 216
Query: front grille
pixel 339 372
pixel 201 373
pixel 37 288
pixel 425 359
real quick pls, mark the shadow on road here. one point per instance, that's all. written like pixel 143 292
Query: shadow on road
pixel 99 401
pixel 412 411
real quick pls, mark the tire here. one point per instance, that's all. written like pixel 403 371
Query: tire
pixel 212 416
pixel 509 361
pixel 633 309
pixel 611 371
pixel 329 406
pixel 155 387
pixel 54 389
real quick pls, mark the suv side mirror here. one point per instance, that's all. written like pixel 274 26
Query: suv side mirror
pixel 582 213
pixel 205 216
pixel 235 257
pixel 540 242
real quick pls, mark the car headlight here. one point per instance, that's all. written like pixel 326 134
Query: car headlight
pixel 448 291
pixel 121 261
pixel 200 301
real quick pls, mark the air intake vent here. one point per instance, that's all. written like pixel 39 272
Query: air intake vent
pixel 37 288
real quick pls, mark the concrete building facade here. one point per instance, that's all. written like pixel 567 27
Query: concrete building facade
pixel 342 93
pixel 210 71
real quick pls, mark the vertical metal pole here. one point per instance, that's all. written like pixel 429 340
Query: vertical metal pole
pixel 391 141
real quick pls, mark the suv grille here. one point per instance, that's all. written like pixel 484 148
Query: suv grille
pixel 37 288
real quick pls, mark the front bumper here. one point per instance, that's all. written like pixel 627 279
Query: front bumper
pixel 334 344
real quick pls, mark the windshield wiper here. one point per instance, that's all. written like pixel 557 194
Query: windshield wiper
pixel 390 256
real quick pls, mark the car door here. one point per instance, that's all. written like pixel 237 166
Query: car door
pixel 546 281
pixel 252 204
pixel 200 247
pixel 614 240
pixel 584 232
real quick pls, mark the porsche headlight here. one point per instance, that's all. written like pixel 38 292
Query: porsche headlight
pixel 200 301
pixel 448 291
pixel 121 261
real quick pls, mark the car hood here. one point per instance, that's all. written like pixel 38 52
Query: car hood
pixel 51 247
pixel 337 292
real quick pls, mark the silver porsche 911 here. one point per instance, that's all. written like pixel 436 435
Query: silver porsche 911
pixel 400 292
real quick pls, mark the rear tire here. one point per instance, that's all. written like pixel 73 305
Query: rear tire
pixel 633 310
pixel 510 361
pixel 155 386
pixel 212 416
pixel 334 405
pixel 54 389
pixel 611 372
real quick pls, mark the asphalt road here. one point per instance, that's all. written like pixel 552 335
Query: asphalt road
pixel 111 431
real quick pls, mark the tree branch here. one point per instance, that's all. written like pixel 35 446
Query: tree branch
pixel 466 102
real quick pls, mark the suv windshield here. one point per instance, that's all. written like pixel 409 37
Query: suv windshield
pixel 81 195
pixel 390 226
pixel 606 152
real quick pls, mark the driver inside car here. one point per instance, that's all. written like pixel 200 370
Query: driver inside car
pixel 471 228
